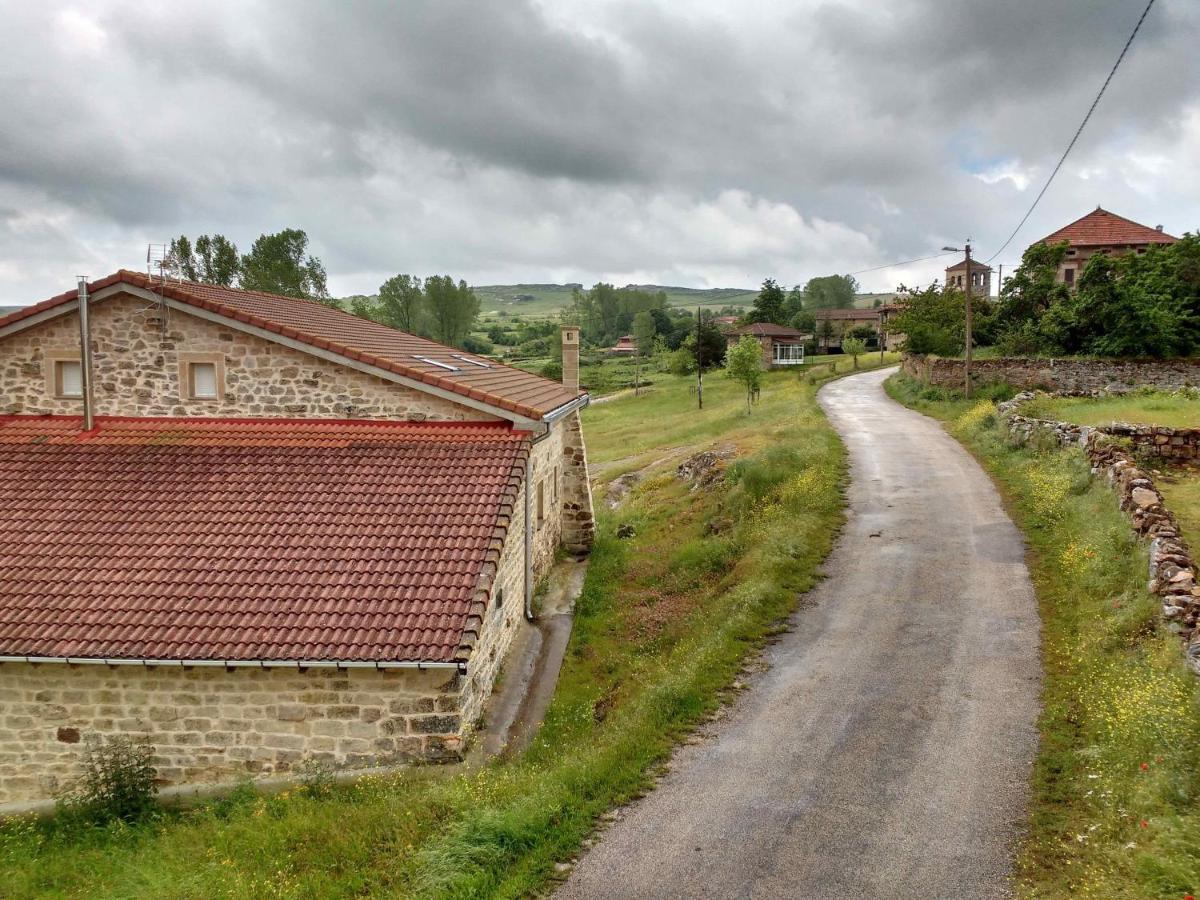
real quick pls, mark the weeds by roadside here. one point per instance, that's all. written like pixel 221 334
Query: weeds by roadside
pixel 1116 790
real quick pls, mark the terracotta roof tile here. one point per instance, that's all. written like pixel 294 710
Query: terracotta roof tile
pixel 1102 228
pixel 767 329
pixel 250 540
pixel 335 330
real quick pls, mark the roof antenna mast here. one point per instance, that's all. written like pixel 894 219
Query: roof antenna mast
pixel 160 264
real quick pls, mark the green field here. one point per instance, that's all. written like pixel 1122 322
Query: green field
pixel 665 622
pixel 1142 407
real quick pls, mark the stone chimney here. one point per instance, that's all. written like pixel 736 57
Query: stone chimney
pixel 570 356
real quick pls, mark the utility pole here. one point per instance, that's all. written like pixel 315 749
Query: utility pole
pixel 699 363
pixel 967 356
pixel 999 279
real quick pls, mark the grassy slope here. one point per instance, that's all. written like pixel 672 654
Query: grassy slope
pixel 664 623
pixel 1141 408
pixel 1116 804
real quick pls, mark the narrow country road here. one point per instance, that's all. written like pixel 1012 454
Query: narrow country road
pixel 886 751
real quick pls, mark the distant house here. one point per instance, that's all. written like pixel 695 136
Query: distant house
pixel 623 347
pixel 833 324
pixel 782 346
pixel 892 340
pixel 980 277
pixel 291 533
pixel 1101 231
pixel 725 323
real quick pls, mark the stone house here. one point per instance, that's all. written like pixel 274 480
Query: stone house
pixel 290 532
pixel 834 324
pixel 781 346
pixel 623 347
pixel 1101 231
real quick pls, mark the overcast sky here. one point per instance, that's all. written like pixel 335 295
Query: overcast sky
pixel 694 143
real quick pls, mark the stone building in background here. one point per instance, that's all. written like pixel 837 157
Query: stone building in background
pixel 291 533
pixel 1101 231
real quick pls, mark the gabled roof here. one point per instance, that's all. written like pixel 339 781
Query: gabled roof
pixel 325 328
pixel 846 314
pixel 766 329
pixel 976 266
pixel 1101 228
pixel 270 539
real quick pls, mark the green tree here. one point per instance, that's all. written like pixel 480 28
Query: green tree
pixel 281 264
pixel 211 260
pixel 830 292
pixel 744 362
pixel 855 347
pixel 932 320
pixel 402 304
pixel 769 304
pixel 453 309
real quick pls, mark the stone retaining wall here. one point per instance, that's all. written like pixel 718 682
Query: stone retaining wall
pixel 1172 569
pixel 1057 375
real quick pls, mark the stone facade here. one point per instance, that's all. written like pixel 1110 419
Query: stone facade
pixel 1057 375
pixel 137 372
pixel 1173 573
pixel 211 724
pixel 217 725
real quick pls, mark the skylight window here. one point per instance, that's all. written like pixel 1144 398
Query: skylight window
pixel 473 362
pixel 434 362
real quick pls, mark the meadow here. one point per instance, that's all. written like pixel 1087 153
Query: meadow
pixel 1175 409
pixel 1116 785
pixel 666 621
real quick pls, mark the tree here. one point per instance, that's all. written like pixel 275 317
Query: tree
pixel 452 309
pixel 768 305
pixel 744 362
pixel 793 305
pixel 643 338
pixel 932 320
pixel 830 292
pixel 856 347
pixel 402 303
pixel 212 260
pixel 708 347
pixel 280 264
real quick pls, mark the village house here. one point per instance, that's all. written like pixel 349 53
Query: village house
pixel 289 532
pixel 781 346
pixel 1101 231
pixel 980 279
pixel 834 324
pixel 623 347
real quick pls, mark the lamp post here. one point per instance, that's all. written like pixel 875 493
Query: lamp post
pixel 967 309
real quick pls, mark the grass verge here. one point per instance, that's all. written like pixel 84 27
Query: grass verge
pixel 1116 787
pixel 1175 409
pixel 664 623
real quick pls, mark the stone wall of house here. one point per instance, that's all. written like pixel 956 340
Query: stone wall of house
pixel 1173 572
pixel 210 724
pixel 136 369
pixel 1057 375
pixel 579 517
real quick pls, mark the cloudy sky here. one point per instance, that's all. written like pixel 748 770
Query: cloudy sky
pixel 692 143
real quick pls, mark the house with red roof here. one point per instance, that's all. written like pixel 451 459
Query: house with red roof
pixel 288 533
pixel 781 346
pixel 1101 231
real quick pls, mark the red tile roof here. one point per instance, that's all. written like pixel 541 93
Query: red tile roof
pixel 326 328
pixel 1101 228
pixel 976 266
pixel 767 329
pixel 208 539
pixel 863 314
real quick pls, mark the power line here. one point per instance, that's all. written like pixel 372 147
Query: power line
pixel 904 262
pixel 1078 131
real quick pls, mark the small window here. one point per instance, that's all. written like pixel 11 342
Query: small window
pixel 541 503
pixel 1069 276
pixel 68 378
pixel 202 381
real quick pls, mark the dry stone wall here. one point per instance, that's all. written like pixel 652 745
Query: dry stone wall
pixel 209 724
pixel 1173 573
pixel 1057 375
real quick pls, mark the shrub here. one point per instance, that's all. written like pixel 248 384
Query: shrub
pixel 553 370
pixel 117 782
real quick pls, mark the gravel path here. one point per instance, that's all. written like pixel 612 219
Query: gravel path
pixel 886 750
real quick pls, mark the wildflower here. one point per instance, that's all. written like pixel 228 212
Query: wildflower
pixel 1145 766
pixel 1144 823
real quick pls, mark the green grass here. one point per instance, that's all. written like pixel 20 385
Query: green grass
pixel 1180 488
pixel 663 626
pixel 1116 785
pixel 1142 407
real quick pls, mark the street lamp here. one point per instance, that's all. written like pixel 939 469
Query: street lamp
pixel 967 289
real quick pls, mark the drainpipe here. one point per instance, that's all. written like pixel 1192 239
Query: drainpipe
pixel 528 538
pixel 85 355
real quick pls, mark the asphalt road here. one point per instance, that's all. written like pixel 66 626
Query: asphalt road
pixel 886 750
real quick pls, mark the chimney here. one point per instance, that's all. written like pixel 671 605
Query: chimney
pixel 85 354
pixel 570 356
pixel 1158 228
